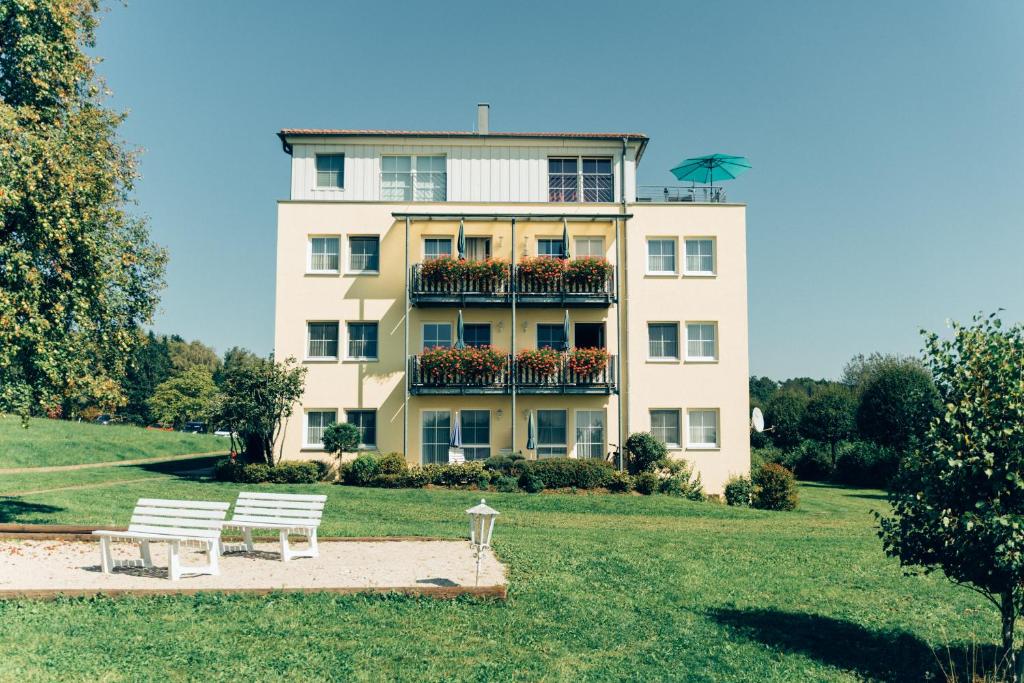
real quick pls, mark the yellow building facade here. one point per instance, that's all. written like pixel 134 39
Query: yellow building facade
pixel 357 308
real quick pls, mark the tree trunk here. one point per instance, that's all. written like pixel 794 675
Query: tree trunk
pixel 1008 656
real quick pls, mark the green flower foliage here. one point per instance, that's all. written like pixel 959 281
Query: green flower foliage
pixel 78 273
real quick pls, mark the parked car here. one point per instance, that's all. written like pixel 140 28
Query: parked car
pixel 194 427
pixel 161 427
pixel 225 432
pixel 103 419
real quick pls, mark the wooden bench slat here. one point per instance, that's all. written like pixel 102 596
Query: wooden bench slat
pixel 177 522
pixel 277 521
pixel 145 536
pixel 267 525
pixel 174 531
pixel 277 512
pixel 279 504
pixel 282 496
pixel 187 504
pixel 179 512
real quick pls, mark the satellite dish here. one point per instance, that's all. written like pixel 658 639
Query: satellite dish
pixel 757 420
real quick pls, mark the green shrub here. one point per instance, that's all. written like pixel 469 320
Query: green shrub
pixel 227 469
pixel 254 473
pixel 530 482
pixel 620 482
pixel 564 473
pixel 341 437
pixel 866 464
pixel 644 452
pixel 305 472
pixel 739 491
pixel 774 488
pixel 512 465
pixel 300 472
pixel 811 461
pixel 459 474
pixel 389 481
pixel 392 463
pixel 681 481
pixel 483 482
pixel 506 484
pixel 362 470
pixel 646 483
pixel 414 478
pixel 761 456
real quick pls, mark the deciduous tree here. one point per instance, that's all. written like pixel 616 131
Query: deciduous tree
pixel 829 417
pixel 190 395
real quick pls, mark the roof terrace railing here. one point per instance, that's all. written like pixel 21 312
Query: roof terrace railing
pixel 696 194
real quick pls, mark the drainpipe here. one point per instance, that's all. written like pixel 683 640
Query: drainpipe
pixel 405 397
pixel 621 312
pixel 512 344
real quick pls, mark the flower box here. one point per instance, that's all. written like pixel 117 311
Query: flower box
pixel 590 271
pixel 541 362
pixel 471 364
pixel 587 363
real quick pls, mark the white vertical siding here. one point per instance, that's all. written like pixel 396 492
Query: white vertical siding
pixel 492 172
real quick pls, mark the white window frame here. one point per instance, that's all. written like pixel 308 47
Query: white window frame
pixel 679 425
pixel 675 256
pixel 310 270
pixel 489 240
pixel 663 359
pixel 564 446
pixel 306 445
pixel 462 430
pixel 702 359
pixel 423 333
pixel 602 449
pixel 361 359
pixel 588 238
pixel 487 323
pixel 328 359
pixel 423 443
pixel 714 257
pixel 581 190
pixel 316 172
pixel 348 256
pixel 412 177
pixel 451 245
pixel 376 427
pixel 549 238
pixel 704 446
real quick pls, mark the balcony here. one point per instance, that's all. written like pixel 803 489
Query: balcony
pixel 426 381
pixel 496 290
pixel 689 194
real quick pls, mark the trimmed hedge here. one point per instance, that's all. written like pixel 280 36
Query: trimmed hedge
pixel 565 473
pixel 774 488
pixel 302 472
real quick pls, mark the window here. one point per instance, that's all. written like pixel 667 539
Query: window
pixel 563 180
pixel 597 180
pixel 323 254
pixel 322 340
pixel 437 334
pixel 437 425
pixel 330 170
pixel 661 256
pixel 404 178
pixel 364 254
pixel 550 247
pixel 396 179
pixel 700 341
pixel 316 422
pixel 665 427
pixel 366 422
pixel 429 181
pixel 477 334
pixel 551 433
pixel 663 340
pixel 589 246
pixel 476 434
pixel 436 247
pixel 478 248
pixel 362 341
pixel 590 434
pixel 703 428
pixel 550 336
pixel 567 176
pixel 700 257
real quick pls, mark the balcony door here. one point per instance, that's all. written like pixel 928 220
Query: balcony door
pixel 478 248
pixel 590 336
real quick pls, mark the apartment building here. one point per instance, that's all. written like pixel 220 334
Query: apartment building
pixel 417 270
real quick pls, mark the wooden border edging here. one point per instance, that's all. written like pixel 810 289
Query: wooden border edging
pixel 438 592
pixel 77 532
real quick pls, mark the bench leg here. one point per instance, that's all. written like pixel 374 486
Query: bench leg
pixel 285 552
pixel 106 560
pixel 147 558
pixel 214 553
pixel 247 533
pixel 314 551
pixel 173 561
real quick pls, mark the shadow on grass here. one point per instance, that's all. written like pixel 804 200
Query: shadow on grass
pixel 193 469
pixel 14 510
pixel 878 655
pixel 847 490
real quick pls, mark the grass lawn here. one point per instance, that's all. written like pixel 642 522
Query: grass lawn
pixel 61 442
pixel 601 588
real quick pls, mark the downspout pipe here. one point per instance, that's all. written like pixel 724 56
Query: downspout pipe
pixel 512 342
pixel 405 396
pixel 620 310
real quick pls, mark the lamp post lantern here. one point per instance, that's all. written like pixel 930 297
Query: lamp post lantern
pixel 481 527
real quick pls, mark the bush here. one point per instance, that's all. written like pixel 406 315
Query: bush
pixel 414 478
pixel 530 482
pixel 564 473
pixel 301 472
pixel 811 461
pixel 392 463
pixel 506 484
pixel 766 454
pixel 620 482
pixel 644 451
pixel 646 483
pixel 739 491
pixel 774 488
pixel 678 480
pixel 458 474
pixel 512 465
pixel 362 470
pixel 341 437
pixel 866 464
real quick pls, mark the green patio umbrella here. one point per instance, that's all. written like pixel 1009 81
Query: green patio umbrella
pixel 565 331
pixel 565 239
pixel 531 435
pixel 711 167
pixel 460 332
pixel 461 242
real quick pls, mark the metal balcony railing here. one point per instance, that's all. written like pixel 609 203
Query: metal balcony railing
pixel 497 291
pixel 526 381
pixel 697 194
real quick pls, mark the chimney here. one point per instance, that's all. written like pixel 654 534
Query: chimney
pixel 483 111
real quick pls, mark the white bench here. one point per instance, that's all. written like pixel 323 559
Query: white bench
pixel 281 512
pixel 174 522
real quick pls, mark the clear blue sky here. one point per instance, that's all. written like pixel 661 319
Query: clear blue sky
pixel 887 140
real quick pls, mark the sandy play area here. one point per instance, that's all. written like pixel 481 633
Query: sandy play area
pixel 431 567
